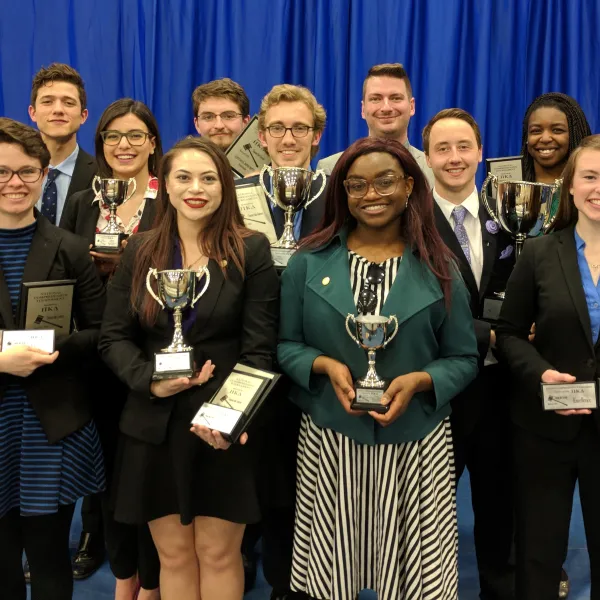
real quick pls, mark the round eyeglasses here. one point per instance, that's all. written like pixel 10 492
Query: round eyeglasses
pixel 384 185
pixel 25 174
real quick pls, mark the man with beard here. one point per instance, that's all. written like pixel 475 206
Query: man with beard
pixel 387 106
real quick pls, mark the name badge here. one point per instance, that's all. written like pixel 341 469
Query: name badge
pixel 569 396
pixel 42 339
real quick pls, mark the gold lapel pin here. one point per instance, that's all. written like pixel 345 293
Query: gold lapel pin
pixel 223 263
pixel 326 281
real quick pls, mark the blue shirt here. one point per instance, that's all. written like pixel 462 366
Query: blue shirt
pixel 592 292
pixel 63 181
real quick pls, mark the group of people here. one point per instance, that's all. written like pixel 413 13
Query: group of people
pixel 343 499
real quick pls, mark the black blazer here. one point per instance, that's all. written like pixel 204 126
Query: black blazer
pixel 546 289
pixel 236 320
pixel 80 216
pixel 58 392
pixel 311 216
pixel 83 174
pixel 498 262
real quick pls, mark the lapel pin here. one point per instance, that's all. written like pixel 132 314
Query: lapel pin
pixel 326 281
pixel 223 263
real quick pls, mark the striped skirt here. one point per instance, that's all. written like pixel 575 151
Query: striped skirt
pixel 375 517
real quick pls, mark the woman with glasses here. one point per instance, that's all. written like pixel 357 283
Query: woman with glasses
pixel 128 146
pixel 375 506
pixel 50 454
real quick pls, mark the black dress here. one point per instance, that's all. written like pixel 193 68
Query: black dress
pixel 163 468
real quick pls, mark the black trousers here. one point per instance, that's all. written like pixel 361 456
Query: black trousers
pixel 45 539
pixel 546 472
pixel 487 453
pixel 91 516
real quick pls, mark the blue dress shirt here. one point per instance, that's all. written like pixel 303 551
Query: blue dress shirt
pixel 592 291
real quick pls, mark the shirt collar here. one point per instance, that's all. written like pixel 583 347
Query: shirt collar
pixel 471 203
pixel 67 166
pixel 407 145
pixel 579 242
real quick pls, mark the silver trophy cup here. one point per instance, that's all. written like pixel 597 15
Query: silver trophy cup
pixel 291 192
pixel 114 193
pixel 522 208
pixel 176 290
pixel 371 333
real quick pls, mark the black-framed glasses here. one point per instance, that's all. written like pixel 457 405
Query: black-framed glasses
pixel 367 298
pixel 135 137
pixel 279 131
pixel 228 115
pixel 383 185
pixel 25 174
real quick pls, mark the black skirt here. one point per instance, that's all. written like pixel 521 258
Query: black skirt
pixel 185 476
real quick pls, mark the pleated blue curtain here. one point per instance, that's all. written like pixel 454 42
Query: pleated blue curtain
pixel 490 57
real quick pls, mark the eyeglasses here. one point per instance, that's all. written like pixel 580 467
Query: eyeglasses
pixel 25 174
pixel 298 131
pixel 135 137
pixel 228 115
pixel 384 185
pixel 367 298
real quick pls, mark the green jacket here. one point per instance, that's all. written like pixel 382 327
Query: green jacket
pixel 316 298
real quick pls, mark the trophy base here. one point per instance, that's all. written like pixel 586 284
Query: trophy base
pixel 172 365
pixel 369 399
pixel 109 243
pixel 492 305
pixel 281 256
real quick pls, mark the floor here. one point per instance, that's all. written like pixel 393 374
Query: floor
pixel 100 586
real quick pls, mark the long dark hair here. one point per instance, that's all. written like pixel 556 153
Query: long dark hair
pixel 576 119
pixel 120 108
pixel 417 225
pixel 222 239
pixel 567 213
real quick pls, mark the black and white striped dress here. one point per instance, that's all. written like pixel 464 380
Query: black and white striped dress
pixel 377 517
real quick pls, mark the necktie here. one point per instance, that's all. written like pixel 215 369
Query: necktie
pixel 50 197
pixel 459 213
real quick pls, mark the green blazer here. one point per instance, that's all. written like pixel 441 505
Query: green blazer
pixel 316 298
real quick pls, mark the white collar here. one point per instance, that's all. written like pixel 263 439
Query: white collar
pixel 471 203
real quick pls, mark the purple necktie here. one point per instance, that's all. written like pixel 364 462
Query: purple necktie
pixel 459 213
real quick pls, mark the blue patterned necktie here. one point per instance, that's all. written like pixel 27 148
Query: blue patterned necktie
pixel 459 213
pixel 50 197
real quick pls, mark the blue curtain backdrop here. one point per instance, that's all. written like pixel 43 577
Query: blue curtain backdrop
pixel 490 57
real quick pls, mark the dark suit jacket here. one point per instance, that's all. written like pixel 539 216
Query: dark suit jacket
pixel 81 216
pixel 58 392
pixel 236 321
pixel 494 275
pixel 311 216
pixel 83 174
pixel 546 289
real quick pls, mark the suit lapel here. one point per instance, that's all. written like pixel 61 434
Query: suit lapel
pixel 6 311
pixel 85 169
pixel 490 243
pixel 42 252
pixel 567 253
pixel 207 302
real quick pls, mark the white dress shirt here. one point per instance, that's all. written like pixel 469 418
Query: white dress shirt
pixel 472 226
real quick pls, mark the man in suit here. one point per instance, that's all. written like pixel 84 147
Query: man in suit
pixel 387 106
pixel 480 421
pixel 291 123
pixel 221 111
pixel 58 108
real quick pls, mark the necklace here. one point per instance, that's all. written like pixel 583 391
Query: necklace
pixel 195 262
pixel 594 266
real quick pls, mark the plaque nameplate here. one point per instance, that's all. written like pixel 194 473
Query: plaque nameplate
pixel 255 210
pixel 506 168
pixel 172 365
pixel 42 339
pixel 246 154
pixel 238 400
pixel 569 396
pixel 281 256
pixel 369 400
pixel 47 304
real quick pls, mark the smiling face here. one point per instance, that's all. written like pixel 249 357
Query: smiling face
pixel 289 151
pixel 387 107
pixel 18 198
pixel 373 210
pixel 453 157
pixel 585 187
pixel 57 111
pixel 548 137
pixel 125 159
pixel 194 187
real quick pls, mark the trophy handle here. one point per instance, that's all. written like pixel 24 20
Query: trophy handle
pixel 96 184
pixel 349 318
pixel 153 272
pixel 324 178
pixel 261 178
pixel 394 319
pixel 132 179
pixel 206 272
pixel 484 198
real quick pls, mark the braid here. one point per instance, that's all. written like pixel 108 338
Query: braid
pixel 576 119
